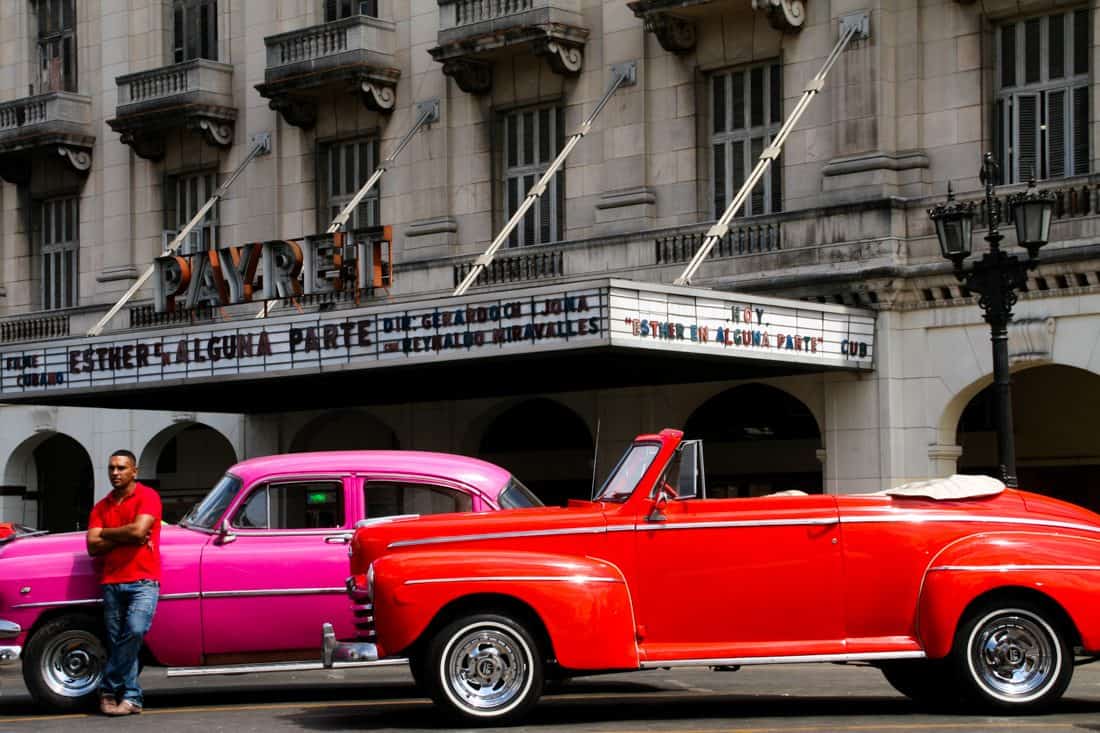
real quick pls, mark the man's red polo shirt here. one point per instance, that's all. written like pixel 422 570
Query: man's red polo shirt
pixel 127 563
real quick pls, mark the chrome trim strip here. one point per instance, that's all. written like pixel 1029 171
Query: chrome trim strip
pixel 271 592
pixel 275 667
pixel 516 578
pixel 812 522
pixel 1009 568
pixel 921 518
pixel 795 659
pixel 48 604
pixel 498 536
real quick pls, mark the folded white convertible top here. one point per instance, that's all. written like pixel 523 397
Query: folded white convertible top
pixel 958 486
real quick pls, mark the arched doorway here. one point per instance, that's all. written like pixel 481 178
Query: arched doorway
pixel 1056 416
pixel 64 484
pixel 182 463
pixel 546 445
pixel 757 440
pixel 344 430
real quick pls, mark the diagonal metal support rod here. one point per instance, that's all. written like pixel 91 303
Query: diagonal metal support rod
pixel 714 235
pixel 261 145
pixel 624 75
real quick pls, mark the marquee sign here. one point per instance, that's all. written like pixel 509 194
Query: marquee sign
pixel 583 315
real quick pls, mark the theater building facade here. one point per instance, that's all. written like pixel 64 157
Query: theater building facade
pixel 824 345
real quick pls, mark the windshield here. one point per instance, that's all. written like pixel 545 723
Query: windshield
pixel 632 466
pixel 207 512
pixel 517 496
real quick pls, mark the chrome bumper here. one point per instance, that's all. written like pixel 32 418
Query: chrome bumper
pixel 334 652
pixel 9 630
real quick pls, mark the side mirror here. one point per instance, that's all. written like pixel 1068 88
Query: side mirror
pixel 225 533
pixel 657 513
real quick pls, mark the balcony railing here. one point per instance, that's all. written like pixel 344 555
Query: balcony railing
pixel 198 76
pixel 521 268
pixel 34 329
pixel 351 55
pixel 746 239
pixel 195 95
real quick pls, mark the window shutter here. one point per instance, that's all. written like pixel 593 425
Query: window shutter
pixel 1056 47
pixel 1081 42
pixel 1027 136
pixel 1032 60
pixel 1008 55
pixel 321 187
pixel 1056 133
pixel 1080 131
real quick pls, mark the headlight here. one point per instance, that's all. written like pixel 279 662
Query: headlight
pixel 370 580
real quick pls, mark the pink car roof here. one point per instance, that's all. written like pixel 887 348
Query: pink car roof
pixel 481 475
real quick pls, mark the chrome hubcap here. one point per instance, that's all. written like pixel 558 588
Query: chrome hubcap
pixel 72 664
pixel 1014 655
pixel 487 668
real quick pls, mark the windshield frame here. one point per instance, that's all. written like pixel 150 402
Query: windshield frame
pixel 218 494
pixel 620 498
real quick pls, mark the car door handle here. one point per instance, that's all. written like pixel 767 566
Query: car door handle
pixel 339 539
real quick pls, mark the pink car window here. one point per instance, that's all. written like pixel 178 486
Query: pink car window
pixel 293 505
pixel 390 498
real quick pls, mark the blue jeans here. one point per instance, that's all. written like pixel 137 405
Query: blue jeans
pixel 128 613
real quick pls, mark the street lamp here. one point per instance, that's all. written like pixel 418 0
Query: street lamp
pixel 996 277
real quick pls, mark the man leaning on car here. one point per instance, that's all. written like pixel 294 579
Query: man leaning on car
pixel 124 532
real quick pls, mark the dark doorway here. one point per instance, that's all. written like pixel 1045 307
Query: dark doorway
pixel 757 440
pixel 66 484
pixel 546 445
pixel 1056 416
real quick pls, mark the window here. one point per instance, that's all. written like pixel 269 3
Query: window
pixel 59 227
pixel 345 167
pixel 1041 115
pixel 337 9
pixel 746 113
pixel 194 30
pixel 531 142
pixel 388 499
pixel 184 195
pixel 306 505
pixel 56 46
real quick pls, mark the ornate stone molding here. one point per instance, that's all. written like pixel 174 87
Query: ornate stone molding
pixel 675 35
pixel 1031 339
pixel 378 97
pixel 564 59
pixel 297 112
pixel 79 159
pixel 786 15
pixel 215 132
pixel 471 75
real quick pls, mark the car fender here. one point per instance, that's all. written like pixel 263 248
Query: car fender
pixel 583 603
pixel 1065 568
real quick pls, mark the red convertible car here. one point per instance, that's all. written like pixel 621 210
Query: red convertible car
pixel 958 589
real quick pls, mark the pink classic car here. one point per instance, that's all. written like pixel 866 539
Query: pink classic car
pixel 249 574
pixel 958 589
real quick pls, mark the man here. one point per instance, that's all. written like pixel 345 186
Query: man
pixel 124 533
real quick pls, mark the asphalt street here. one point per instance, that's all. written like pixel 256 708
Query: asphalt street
pixel 803 698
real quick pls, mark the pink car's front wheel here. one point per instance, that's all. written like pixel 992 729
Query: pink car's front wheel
pixel 63 663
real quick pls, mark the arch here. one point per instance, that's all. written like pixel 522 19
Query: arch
pixel 544 443
pixel 56 472
pixel 1056 421
pixel 758 439
pixel 182 462
pixel 344 430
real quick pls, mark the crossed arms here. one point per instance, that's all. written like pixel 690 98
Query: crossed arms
pixel 104 539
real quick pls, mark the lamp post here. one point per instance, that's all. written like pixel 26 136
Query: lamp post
pixel 996 277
